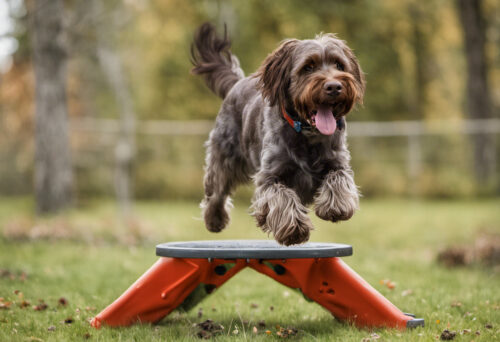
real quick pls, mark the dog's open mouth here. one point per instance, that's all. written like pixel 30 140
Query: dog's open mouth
pixel 324 119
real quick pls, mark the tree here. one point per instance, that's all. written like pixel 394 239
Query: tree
pixel 53 171
pixel 112 67
pixel 422 19
pixel 477 90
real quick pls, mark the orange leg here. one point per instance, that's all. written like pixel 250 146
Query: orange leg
pixel 340 290
pixel 168 284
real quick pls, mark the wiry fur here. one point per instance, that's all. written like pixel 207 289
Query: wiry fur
pixel 338 197
pixel 252 140
pixel 212 59
pixel 278 210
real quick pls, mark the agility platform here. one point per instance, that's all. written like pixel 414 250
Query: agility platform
pixel 189 271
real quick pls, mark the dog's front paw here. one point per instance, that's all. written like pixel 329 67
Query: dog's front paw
pixel 294 234
pixel 338 197
pixel 278 210
pixel 335 212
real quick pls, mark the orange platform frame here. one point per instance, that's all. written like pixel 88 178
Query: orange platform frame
pixel 182 282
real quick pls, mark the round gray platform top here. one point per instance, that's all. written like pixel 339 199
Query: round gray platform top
pixel 250 249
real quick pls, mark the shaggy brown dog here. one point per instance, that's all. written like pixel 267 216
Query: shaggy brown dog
pixel 284 128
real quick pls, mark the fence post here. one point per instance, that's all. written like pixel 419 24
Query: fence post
pixel 413 161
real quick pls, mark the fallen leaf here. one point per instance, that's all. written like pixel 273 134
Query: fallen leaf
pixel 387 282
pixel 40 307
pixel 24 303
pixel 5 305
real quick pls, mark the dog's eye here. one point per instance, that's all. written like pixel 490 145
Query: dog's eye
pixel 309 67
pixel 339 66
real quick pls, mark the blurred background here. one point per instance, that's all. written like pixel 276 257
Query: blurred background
pixel 101 157
pixel 97 100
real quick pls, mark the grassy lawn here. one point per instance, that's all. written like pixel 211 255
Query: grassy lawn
pixel 89 258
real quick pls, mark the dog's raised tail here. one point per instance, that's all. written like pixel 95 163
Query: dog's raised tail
pixel 212 59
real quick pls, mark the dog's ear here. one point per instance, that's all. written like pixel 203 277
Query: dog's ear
pixel 274 73
pixel 357 73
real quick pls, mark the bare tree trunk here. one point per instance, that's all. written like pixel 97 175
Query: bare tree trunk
pixel 53 171
pixel 125 147
pixel 112 67
pixel 422 19
pixel 479 103
pixel 421 60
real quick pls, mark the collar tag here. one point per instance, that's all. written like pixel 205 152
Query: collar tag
pixel 297 125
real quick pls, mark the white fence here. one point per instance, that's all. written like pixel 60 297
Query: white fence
pixel 408 145
pixel 413 130
pixel 362 129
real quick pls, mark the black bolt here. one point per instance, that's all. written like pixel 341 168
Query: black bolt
pixel 280 270
pixel 220 270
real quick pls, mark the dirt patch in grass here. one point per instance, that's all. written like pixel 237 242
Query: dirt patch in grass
pixel 447 335
pixel 27 229
pixel 485 250
pixel 13 274
pixel 129 232
pixel 286 332
pixel 208 329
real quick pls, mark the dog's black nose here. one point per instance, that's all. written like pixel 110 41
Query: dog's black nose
pixel 333 88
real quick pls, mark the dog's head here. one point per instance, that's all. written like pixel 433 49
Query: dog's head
pixel 320 78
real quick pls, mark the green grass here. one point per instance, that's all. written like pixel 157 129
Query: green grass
pixel 100 257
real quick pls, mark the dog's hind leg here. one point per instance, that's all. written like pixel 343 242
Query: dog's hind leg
pixel 223 171
pixel 216 203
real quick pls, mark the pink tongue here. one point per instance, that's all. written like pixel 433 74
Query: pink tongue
pixel 325 121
